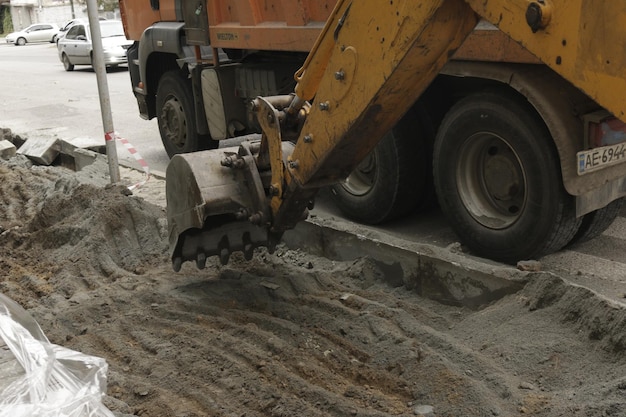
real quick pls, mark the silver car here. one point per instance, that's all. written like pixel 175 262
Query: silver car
pixel 67 25
pixel 75 48
pixel 38 32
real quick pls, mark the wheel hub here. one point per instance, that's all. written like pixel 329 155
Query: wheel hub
pixel 491 181
pixel 173 122
pixel 362 179
pixel 502 179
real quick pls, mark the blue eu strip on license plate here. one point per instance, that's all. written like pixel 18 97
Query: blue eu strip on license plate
pixel 593 159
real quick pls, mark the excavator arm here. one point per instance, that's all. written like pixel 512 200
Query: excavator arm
pixel 371 62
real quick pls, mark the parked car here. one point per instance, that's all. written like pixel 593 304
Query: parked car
pixel 75 48
pixel 38 32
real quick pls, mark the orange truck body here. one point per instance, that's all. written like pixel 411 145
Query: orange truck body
pixel 287 25
pixel 267 25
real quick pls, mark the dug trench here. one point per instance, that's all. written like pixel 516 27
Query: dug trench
pixel 330 324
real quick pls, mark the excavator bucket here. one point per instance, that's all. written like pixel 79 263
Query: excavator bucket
pixel 210 209
pixel 216 205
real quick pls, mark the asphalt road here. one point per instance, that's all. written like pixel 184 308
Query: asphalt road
pixel 40 98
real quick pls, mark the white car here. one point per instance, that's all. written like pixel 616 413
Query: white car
pixel 38 32
pixel 67 25
pixel 75 48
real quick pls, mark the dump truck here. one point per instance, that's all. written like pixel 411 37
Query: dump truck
pixel 510 112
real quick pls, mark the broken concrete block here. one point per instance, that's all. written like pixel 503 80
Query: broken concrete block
pixel 532 266
pixel 83 158
pixel 42 151
pixel 6 134
pixel 7 149
pixel 83 142
pixel 78 153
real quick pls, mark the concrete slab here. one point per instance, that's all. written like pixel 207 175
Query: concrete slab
pixel 86 142
pixel 41 150
pixel 83 158
pixel 436 273
pixel 7 149
pixel 7 134
pixel 78 153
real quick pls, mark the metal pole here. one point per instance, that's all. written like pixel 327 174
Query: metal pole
pixel 103 90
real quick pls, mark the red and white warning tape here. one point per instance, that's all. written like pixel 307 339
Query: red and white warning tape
pixel 135 154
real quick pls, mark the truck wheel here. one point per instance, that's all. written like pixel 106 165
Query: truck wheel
pixel 177 126
pixel 596 222
pixel 498 179
pixel 395 178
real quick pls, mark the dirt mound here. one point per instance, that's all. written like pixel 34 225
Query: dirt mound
pixel 289 333
pixel 55 225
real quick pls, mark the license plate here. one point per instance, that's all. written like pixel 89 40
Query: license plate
pixel 598 158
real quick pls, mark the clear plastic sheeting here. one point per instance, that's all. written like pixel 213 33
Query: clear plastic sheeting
pixel 40 379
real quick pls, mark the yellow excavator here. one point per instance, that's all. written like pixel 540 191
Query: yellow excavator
pixel 371 62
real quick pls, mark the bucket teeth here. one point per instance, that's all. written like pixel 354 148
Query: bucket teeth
pixel 248 247
pixel 177 262
pixel 224 256
pixel 224 248
pixel 248 251
pixel 200 245
pixel 201 260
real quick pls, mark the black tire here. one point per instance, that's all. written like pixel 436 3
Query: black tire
pixel 596 222
pixel 395 178
pixel 66 63
pixel 20 42
pixel 175 115
pixel 498 179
